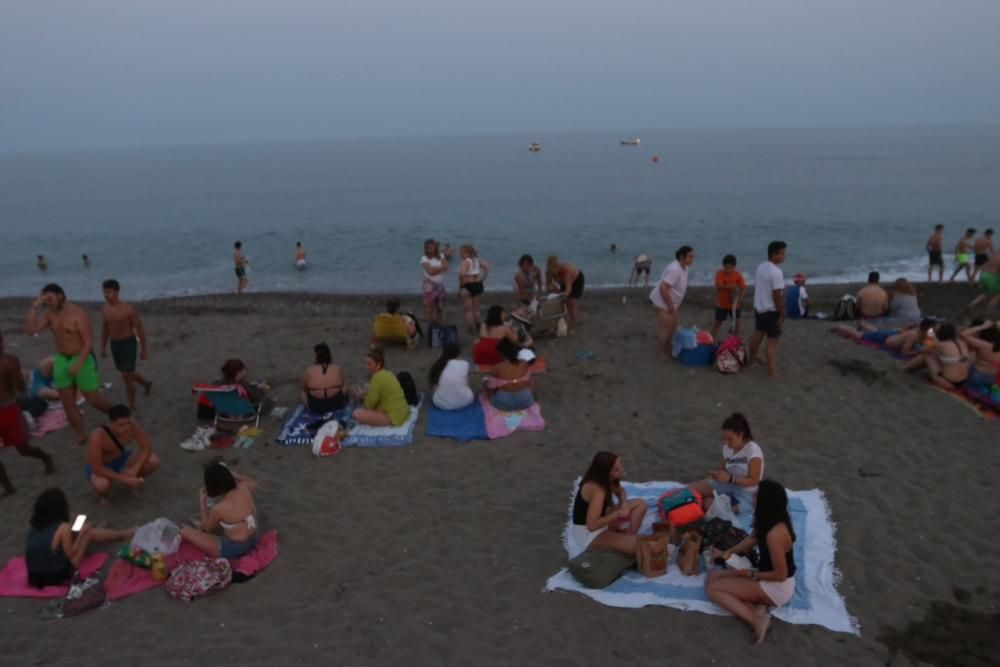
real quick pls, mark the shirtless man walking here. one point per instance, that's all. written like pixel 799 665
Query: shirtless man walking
pixel 989 279
pixel 122 326
pixel 935 254
pixel 241 267
pixel 13 430
pixel 981 251
pixel 962 254
pixel 74 365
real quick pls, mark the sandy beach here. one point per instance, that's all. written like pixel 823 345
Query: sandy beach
pixel 437 553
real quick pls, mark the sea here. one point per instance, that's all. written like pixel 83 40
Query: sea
pixel 163 220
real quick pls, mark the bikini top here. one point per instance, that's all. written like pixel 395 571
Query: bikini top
pixel 250 521
pixel 339 387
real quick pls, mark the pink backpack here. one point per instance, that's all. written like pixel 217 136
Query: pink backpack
pixel 730 356
pixel 199 577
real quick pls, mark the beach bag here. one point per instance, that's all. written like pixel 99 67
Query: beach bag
pixel 199 577
pixel 83 595
pixel 721 534
pixel 680 507
pixel 685 339
pixel 160 536
pixel 846 310
pixel 440 335
pixel 600 569
pixel 409 387
pixel 136 556
pixel 689 558
pixel 722 508
pixel 652 554
pixel 328 439
pixel 730 356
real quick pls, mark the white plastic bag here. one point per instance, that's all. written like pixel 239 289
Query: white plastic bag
pixel 160 536
pixel 722 508
pixel 327 440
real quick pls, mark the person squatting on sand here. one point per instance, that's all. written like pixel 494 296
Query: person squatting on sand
pixel 122 326
pixel 385 403
pixel 435 264
pixel 322 387
pixel 741 469
pixel 53 550
pixel 472 273
pixel 603 515
pixel 509 384
pixel 110 459
pixel 769 306
pixel 13 429
pixel 74 364
pixel 772 584
pixel 948 360
pixel 449 379
pixel 564 278
pixel 668 295
pixel 234 512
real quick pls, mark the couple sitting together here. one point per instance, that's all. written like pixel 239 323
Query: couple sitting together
pixel 604 518
pixel 508 385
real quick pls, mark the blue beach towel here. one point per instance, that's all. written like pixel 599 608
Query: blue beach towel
pixel 462 425
pixel 296 431
pixel 816 600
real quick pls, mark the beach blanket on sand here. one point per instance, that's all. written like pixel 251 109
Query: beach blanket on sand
pixel 981 403
pixel 384 436
pixel 816 600
pixel 14 578
pixel 462 425
pixel 501 424
pixel 296 431
pixel 53 419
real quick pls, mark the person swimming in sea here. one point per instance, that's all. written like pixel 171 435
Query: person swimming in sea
pixel 300 256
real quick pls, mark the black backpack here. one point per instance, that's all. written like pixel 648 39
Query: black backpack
pixel 847 309
pixel 409 387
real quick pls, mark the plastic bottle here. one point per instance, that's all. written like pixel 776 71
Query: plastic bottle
pixel 159 567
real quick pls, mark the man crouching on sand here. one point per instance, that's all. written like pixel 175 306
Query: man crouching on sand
pixel 110 459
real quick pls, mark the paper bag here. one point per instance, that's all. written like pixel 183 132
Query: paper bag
pixel 689 558
pixel 651 553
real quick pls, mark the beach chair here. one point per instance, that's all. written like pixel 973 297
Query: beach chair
pixel 230 406
pixel 545 321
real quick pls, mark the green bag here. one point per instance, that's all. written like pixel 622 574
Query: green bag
pixel 599 569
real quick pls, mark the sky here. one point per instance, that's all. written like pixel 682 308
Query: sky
pixel 92 73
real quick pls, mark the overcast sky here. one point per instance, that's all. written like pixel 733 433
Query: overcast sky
pixel 132 72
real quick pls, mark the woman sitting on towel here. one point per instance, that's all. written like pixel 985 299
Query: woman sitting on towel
pixel 449 378
pixel 949 360
pixel 772 584
pixel 603 516
pixel 234 512
pixel 741 468
pixel 385 402
pixel 985 340
pixel 54 551
pixel 509 382
pixel 493 330
pixel 906 341
pixel 323 384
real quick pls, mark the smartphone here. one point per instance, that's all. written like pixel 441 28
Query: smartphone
pixel 78 522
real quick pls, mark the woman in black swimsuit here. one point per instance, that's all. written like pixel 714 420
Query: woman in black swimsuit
pixel 323 384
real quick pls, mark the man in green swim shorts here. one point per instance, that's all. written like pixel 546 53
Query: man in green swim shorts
pixel 962 250
pixel 74 364
pixel 990 280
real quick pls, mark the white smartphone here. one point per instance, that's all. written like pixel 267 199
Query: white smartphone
pixel 78 522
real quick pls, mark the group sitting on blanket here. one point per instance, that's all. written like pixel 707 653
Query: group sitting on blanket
pixel 508 385
pixel 604 518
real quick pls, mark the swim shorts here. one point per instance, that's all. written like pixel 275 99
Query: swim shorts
pixel 13 429
pixel 240 272
pixel 982 259
pixel 231 550
pixel 962 258
pixel 115 465
pixel 936 259
pixel 768 323
pixel 990 282
pixel 124 353
pixel 474 288
pixel 576 291
pixel 85 380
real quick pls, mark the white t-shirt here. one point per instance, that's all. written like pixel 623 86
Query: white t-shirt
pixel 434 263
pixel 768 279
pixel 453 392
pixel 738 463
pixel 803 297
pixel 676 276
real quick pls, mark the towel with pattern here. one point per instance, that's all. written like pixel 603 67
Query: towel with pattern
pixel 500 424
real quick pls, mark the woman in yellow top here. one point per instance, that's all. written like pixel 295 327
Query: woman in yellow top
pixel 385 403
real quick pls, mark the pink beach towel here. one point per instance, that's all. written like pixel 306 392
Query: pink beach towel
pixel 14 578
pixel 51 420
pixel 125 579
pixel 501 424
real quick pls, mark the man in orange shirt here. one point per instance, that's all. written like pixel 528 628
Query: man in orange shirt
pixel 730 285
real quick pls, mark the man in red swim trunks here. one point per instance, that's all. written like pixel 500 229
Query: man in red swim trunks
pixel 13 429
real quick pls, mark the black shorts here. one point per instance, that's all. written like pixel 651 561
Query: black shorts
pixel 240 272
pixel 474 289
pixel 982 259
pixel 576 291
pixel 768 323
pixel 723 314
pixel 935 257
pixel 124 353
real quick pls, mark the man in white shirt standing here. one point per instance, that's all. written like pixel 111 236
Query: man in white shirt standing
pixel 669 293
pixel 769 305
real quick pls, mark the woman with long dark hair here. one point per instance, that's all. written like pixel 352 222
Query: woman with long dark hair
pixel 493 330
pixel 322 389
pixel 741 468
pixel 772 584
pixel 234 513
pixel 449 377
pixel 603 515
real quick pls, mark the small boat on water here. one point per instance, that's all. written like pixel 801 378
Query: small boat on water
pixel 630 142
pixel 535 147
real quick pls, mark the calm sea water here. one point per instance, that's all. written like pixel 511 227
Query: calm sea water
pixel 163 220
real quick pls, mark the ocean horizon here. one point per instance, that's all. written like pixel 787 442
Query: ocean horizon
pixel 163 220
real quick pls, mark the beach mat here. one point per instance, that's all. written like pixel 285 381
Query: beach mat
pixel 537 367
pixel 384 436
pixel 53 419
pixel 296 432
pixel 463 425
pixel 816 601
pixel 979 403
pixel 14 578
pixel 501 424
